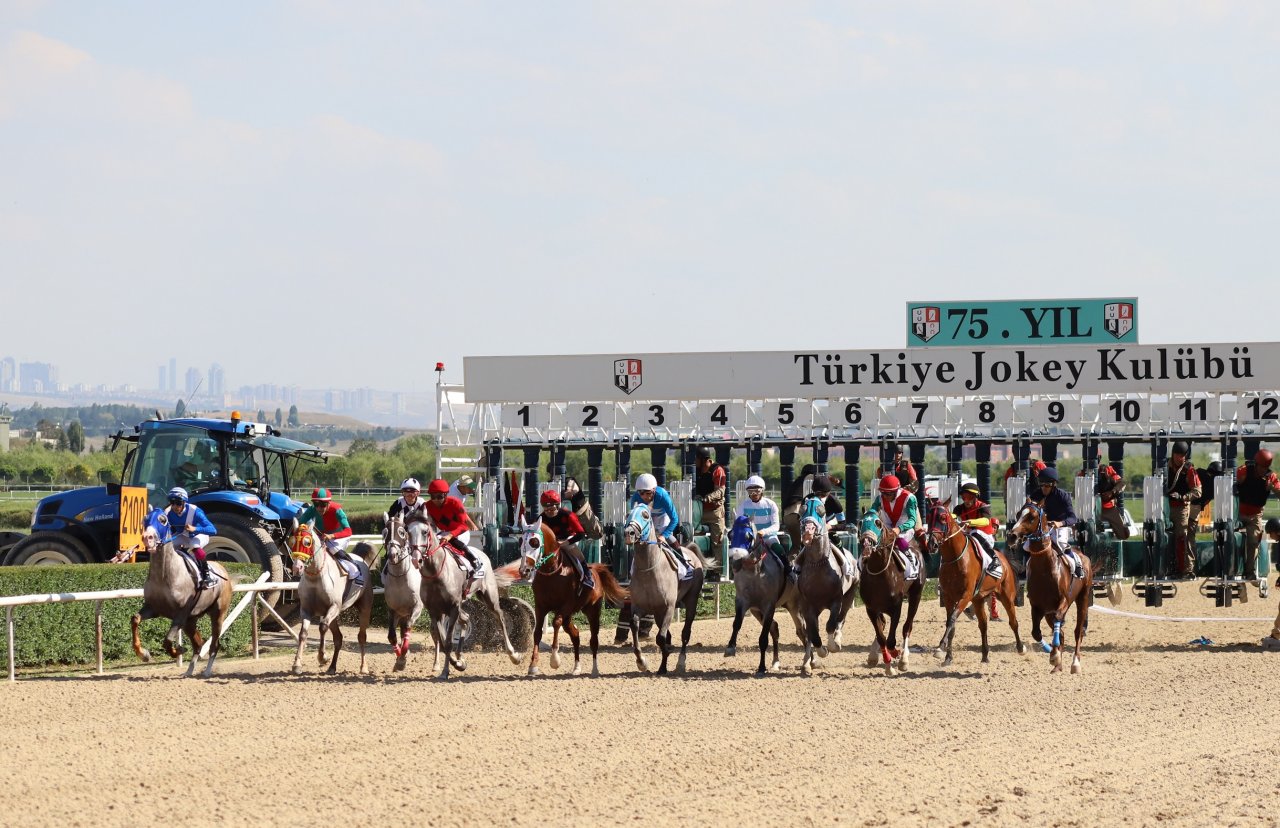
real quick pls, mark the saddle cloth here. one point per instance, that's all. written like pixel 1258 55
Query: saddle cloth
pixel 844 561
pixel 357 576
pixel 909 562
pixel 684 569
pixel 193 568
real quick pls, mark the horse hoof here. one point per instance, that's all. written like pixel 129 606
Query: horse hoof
pixel 555 659
pixel 1075 669
pixel 823 652
pixel 873 659
pixel 1057 668
pixel 643 665
pixel 1022 649
pixel 399 665
pixel 946 662
pixel 297 669
pixel 576 671
pixel 332 671
pixel 515 657
pixel 534 671
pixel 777 665
pixel 889 669
pixel 730 652
pixel 939 653
pixel 146 655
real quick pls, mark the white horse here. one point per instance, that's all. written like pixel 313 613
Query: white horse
pixel 402 587
pixel 324 592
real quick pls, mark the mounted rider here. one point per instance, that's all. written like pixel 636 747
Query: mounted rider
pixel 192 528
pixel 765 520
pixel 330 521
pixel 899 510
pixel 1059 515
pixel 662 510
pixel 976 514
pixel 569 532
pixel 452 523
pixel 409 505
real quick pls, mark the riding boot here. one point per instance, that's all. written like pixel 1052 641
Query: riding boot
pixel 584 575
pixel 477 566
pixel 206 580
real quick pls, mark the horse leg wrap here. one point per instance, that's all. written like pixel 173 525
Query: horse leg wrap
pixel 1057 633
pixel 886 655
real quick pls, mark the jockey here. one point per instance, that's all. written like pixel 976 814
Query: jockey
pixel 410 505
pixel 453 523
pixel 1059 514
pixel 568 530
pixel 821 502
pixel 330 521
pixel 192 529
pixel 977 515
pixel 763 514
pixel 898 510
pixel 662 511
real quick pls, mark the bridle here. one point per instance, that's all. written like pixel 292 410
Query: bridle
pixel 1042 530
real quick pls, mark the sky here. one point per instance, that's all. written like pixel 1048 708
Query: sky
pixel 326 193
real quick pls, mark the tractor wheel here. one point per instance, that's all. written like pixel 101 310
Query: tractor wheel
pixel 239 541
pixel 46 549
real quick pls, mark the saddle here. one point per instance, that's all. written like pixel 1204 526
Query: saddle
pixel 908 562
pixel 844 560
pixel 355 580
pixel 680 563
pixel 193 568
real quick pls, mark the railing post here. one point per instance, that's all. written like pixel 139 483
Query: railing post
pixel 8 617
pixel 253 613
pixel 97 620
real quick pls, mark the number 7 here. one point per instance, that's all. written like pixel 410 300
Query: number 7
pixel 920 409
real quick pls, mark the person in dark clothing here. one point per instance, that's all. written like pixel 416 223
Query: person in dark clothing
pixel 1060 515
pixel 791 502
pixel 1208 475
pixel 709 484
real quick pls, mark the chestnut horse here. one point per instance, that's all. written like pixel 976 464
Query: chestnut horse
pixel 170 592
pixel 1050 587
pixel 962 579
pixel 883 588
pixel 557 589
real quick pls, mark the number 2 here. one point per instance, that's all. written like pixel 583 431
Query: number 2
pixel 590 416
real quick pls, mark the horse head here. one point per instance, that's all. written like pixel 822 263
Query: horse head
pixel 537 546
pixel 744 541
pixel 639 528
pixel 813 536
pixel 307 550
pixel 942 524
pixel 395 537
pixel 1030 523
pixel 155 530
pixel 870 528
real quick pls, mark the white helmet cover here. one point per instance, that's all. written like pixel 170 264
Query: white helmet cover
pixel 411 483
pixel 646 483
pixel 755 481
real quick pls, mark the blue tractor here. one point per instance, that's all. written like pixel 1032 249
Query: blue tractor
pixel 237 472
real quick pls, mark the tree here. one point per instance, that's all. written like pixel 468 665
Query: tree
pixel 362 445
pixel 63 443
pixel 279 418
pixel 262 416
pixel 294 422
pixel 75 437
pixel 180 410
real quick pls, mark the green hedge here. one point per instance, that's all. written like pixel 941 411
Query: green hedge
pixel 16 514
pixel 63 634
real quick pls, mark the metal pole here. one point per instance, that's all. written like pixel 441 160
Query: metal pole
pixel 439 416
pixel 787 466
pixel 253 615
pixel 982 451
pixel 852 482
pixel 97 618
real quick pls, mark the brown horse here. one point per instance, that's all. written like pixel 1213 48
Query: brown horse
pixel 556 589
pixel 1050 587
pixel 883 588
pixel 962 579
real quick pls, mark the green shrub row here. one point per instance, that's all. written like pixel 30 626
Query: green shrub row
pixel 16 514
pixel 63 634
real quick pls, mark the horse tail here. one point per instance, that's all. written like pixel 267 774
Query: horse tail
pixel 366 552
pixel 613 591
pixel 507 575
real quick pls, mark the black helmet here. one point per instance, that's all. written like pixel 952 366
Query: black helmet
pixel 821 484
pixel 703 453
pixel 1273 525
pixel 971 488
pixel 1048 475
pixel 1182 448
pixel 1215 469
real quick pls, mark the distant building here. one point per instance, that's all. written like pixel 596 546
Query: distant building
pixel 38 377
pixel 173 375
pixel 194 379
pixel 217 381
pixel 5 419
pixel 8 375
pixel 162 380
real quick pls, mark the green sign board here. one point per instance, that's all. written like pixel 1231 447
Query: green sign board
pixel 1046 322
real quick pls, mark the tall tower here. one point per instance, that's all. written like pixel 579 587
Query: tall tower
pixel 5 419
pixel 173 374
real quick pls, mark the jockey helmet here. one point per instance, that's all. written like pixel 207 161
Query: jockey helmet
pixel 703 453
pixel 466 482
pixel 1214 469
pixel 550 498
pixel 890 484
pixel 177 493
pixel 320 495
pixel 971 488
pixel 1181 448
pixel 821 484
pixel 755 481
pixel 411 484
pixel 1263 458
pixel 438 486
pixel 1273 525
pixel 1049 475
pixel 646 483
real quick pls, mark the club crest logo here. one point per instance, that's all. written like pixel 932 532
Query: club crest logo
pixel 627 374
pixel 926 322
pixel 1117 318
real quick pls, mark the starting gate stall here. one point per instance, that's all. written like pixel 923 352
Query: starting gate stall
pixel 855 400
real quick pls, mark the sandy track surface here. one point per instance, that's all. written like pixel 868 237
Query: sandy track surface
pixel 1155 730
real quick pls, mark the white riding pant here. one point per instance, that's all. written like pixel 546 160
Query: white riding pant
pixel 335 545
pixel 186 540
pixel 1062 534
pixel 464 538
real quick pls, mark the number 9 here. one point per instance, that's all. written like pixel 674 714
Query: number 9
pixel 1056 412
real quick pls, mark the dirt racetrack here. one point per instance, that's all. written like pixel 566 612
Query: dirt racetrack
pixel 1155 730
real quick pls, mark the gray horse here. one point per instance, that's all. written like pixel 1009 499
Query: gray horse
pixel 402 588
pixel 656 589
pixel 170 592
pixel 324 592
pixel 444 589
pixel 760 584
pixel 828 581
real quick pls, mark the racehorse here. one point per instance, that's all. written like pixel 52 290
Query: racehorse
pixel 1050 587
pixel 884 586
pixel 556 589
pixel 962 580
pixel 657 590
pixel 170 592
pixel 444 589
pixel 761 585
pixel 402 587
pixel 324 592
pixel 825 583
